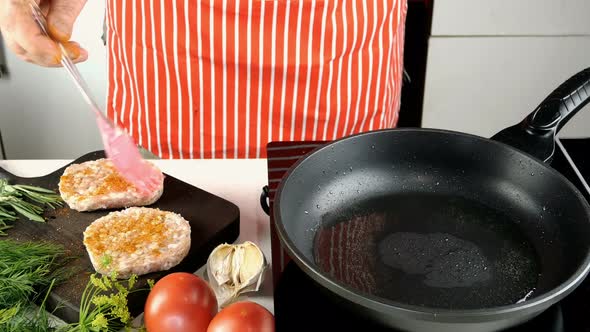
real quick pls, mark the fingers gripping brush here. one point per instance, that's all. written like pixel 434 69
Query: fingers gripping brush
pixel 119 147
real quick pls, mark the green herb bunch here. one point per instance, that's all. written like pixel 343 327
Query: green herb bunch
pixel 27 273
pixel 28 201
pixel 104 305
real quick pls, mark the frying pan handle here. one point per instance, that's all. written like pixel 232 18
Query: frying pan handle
pixel 562 104
pixel 263 202
pixel 536 133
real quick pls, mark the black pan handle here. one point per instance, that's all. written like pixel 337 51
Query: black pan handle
pixel 263 200
pixel 562 104
pixel 536 133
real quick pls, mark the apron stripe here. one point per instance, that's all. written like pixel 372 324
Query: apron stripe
pixel 318 82
pixel 129 93
pixel 362 76
pixel 378 81
pixel 120 22
pixel 284 57
pixel 297 73
pixel 213 62
pixel 236 22
pixel 261 60
pixel 189 125
pixel 113 88
pixel 208 78
pixel 349 69
pixel 176 105
pixel 273 60
pixel 138 79
pixel 224 42
pixel 341 40
pixel 118 109
pixel 307 69
pixel 244 78
pixel 144 78
pixel 328 95
pixel 248 82
pixel 221 79
pixel 156 79
pixel 166 34
pixel 371 69
pixel 201 87
pixel 217 60
pixel 386 70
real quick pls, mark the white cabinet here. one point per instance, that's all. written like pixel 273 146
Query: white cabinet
pixel 490 63
pixel 510 18
pixel 42 114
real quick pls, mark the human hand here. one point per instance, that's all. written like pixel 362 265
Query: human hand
pixel 24 37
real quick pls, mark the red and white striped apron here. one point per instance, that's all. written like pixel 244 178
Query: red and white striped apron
pixel 220 78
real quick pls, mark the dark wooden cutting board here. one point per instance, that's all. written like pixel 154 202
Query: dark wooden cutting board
pixel 213 221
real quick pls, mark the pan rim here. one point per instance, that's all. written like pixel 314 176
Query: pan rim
pixel 380 304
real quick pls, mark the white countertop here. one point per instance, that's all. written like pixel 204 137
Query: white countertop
pixel 239 181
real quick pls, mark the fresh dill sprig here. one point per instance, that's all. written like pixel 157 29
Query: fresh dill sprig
pixel 26 268
pixel 104 305
pixel 28 201
pixel 28 271
pixel 23 317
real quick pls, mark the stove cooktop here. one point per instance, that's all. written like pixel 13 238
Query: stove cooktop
pixel 301 304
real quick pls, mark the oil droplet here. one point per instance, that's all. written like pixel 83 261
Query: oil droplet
pixel 532 174
pixel 343 173
pixel 317 206
pixel 437 183
pixel 306 212
pixel 373 147
pixel 331 192
pixel 350 168
pixel 358 191
pixel 544 208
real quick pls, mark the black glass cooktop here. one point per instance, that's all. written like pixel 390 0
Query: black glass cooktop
pixel 302 305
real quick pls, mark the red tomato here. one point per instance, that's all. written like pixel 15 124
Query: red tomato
pixel 243 316
pixel 180 302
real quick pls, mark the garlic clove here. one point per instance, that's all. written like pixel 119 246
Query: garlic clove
pixel 237 261
pixel 220 262
pixel 252 263
pixel 234 269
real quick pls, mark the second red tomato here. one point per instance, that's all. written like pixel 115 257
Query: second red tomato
pixel 243 316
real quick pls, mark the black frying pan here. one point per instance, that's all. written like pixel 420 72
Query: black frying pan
pixel 434 230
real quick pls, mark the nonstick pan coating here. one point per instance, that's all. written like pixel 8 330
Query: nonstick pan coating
pixel 439 224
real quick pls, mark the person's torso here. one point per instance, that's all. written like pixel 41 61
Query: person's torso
pixel 220 79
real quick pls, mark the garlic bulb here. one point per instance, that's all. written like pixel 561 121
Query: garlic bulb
pixel 234 269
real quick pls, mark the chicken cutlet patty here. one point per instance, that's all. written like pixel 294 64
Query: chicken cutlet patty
pixel 97 184
pixel 137 240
